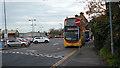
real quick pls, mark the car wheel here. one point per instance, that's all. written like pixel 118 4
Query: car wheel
pixel 23 45
pixel 36 42
pixel 46 41
pixel 8 45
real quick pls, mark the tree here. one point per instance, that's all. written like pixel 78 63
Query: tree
pixel 96 8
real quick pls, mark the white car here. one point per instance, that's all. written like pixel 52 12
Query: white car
pixel 16 42
pixel 40 39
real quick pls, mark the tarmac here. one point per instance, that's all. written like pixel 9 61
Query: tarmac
pixel 87 56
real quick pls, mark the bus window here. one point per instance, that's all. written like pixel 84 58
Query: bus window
pixel 70 22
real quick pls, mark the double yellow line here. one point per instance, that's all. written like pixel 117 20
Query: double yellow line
pixel 62 60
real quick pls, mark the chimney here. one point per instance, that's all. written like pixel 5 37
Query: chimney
pixel 81 13
pixel 76 15
pixel 66 17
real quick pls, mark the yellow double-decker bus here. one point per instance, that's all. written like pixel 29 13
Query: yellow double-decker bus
pixel 71 33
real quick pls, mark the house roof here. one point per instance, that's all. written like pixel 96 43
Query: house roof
pixel 11 31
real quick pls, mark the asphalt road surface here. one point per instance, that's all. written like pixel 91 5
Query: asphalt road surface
pixel 41 54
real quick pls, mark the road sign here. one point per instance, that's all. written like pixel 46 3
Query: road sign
pixel 77 22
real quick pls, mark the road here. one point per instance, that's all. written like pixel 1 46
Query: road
pixel 52 54
pixel 41 54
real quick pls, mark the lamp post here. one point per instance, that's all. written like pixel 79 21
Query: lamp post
pixel 32 20
pixel 60 25
pixel 5 31
pixel 41 28
pixel 60 28
pixel 112 48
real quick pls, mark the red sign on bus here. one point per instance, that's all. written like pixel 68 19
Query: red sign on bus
pixel 77 22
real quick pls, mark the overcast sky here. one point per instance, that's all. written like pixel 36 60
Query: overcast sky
pixel 48 13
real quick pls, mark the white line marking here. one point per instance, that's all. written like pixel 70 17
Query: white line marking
pixel 17 52
pixel 26 53
pixel 55 44
pixel 55 57
pixel 36 55
pixel 10 52
pixel 21 52
pixel 41 55
pixel 31 54
pixel 13 52
pixel 6 52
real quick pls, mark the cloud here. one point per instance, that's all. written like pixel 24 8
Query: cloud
pixel 47 14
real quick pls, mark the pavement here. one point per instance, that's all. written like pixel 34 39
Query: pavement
pixel 87 56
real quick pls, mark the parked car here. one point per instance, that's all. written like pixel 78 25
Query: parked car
pixel 29 39
pixel 61 36
pixel 24 41
pixel 16 42
pixel 40 39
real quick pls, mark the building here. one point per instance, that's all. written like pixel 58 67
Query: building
pixel 11 33
pixel 31 34
pixel 85 24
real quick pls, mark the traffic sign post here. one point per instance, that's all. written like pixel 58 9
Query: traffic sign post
pixel 78 36
pixel 78 22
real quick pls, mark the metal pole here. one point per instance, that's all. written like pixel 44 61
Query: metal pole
pixel 5 17
pixel 112 49
pixel 5 33
pixel 32 28
pixel 79 37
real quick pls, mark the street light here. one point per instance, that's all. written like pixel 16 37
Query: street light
pixel 110 12
pixel 5 32
pixel 60 25
pixel 32 20
pixel 41 28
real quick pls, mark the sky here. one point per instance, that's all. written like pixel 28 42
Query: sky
pixel 48 13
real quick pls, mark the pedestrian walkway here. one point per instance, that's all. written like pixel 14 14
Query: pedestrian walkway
pixel 86 56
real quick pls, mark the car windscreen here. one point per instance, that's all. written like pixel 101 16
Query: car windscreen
pixel 11 41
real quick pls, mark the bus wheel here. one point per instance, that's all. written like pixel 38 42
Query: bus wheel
pixel 66 46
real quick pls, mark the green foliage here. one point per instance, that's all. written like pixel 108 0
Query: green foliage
pixel 101 29
pixel 111 60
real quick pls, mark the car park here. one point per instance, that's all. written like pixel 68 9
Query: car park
pixel 40 39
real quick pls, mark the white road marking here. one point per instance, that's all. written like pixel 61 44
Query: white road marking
pixel 37 55
pixel 55 57
pixel 41 55
pixel 10 52
pixel 55 44
pixel 31 50
pixel 17 52
pixel 21 52
pixel 26 53
pixel 13 52
pixel 48 55
pixel 24 48
pixel 60 56
pixel 31 54
pixel 6 52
